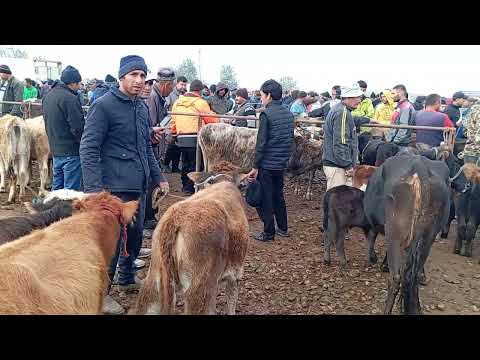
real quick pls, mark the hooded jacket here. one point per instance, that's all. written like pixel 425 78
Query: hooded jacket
pixel 383 112
pixel 364 109
pixel 340 147
pixel 64 120
pixel 185 127
pixel 116 151
pixel 220 105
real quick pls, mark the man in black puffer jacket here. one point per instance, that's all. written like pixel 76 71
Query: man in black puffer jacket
pixel 273 149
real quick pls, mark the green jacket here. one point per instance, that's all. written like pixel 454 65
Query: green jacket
pixel 31 93
pixel 14 92
pixel 366 109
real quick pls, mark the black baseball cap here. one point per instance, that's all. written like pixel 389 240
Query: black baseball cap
pixel 459 95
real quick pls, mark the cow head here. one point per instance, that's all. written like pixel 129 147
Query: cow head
pixel 105 201
pixel 223 171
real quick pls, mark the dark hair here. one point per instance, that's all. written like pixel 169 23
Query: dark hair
pixel 294 94
pixel 196 85
pixel 273 88
pixel 182 79
pixel 362 84
pixel 302 94
pixel 337 89
pixel 433 99
pixel 402 88
pixel 29 81
pixel 312 94
pixel 213 88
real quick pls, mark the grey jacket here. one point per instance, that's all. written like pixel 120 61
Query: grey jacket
pixel 340 148
pixel 402 137
pixel 14 92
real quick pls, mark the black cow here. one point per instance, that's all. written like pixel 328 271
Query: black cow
pixel 466 198
pixel 342 209
pixel 407 199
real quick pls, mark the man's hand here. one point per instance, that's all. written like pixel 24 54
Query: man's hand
pixel 252 175
pixel 157 134
pixel 164 187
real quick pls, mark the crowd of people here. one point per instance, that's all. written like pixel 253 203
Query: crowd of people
pixel 127 139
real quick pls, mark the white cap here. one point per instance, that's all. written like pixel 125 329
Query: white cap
pixel 351 91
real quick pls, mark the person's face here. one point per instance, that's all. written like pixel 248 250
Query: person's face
pixel 265 98
pixel 147 90
pixel 459 102
pixel 383 99
pixel 240 100
pixel 334 93
pixel 182 87
pixel 165 88
pixel 397 95
pixel 133 82
pixel 222 93
pixel 353 102
pixel 27 84
pixel 4 76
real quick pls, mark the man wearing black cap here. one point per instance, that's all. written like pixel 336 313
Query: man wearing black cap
pixel 273 149
pixel 102 87
pixel 64 124
pixel 116 155
pixel 10 90
pixel 453 110
pixel 242 107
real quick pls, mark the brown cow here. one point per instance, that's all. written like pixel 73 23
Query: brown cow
pixel 63 269
pixel 199 243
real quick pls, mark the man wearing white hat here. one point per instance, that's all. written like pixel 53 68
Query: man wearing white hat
pixel 340 150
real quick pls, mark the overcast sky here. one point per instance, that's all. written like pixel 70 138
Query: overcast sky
pixel 423 69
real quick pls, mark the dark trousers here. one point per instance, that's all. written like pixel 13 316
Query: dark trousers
pixel 126 264
pixel 149 212
pixel 273 201
pixel 172 155
pixel 188 165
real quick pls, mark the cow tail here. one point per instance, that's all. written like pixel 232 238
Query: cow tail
pixel 325 212
pixel 413 265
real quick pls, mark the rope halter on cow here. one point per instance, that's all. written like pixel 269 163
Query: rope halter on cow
pixel 468 185
pixel 210 180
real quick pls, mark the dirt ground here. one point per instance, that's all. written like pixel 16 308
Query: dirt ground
pixel 289 277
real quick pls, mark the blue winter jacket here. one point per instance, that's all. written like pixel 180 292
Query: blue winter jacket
pixel 116 150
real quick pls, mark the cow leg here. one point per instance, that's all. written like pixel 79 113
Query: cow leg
pixel 23 174
pixel 43 177
pixel 469 235
pixel 394 280
pixel 330 235
pixel 371 256
pixel 340 247
pixel 2 176
pixel 309 194
pixel 296 190
pixel 13 187
pixel 232 295
pixel 384 266
pixel 461 235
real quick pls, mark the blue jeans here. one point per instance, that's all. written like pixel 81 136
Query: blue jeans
pixel 127 270
pixel 67 173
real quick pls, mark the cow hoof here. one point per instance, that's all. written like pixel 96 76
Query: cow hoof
pixel 384 268
pixel 326 262
pixel 308 197
pixel 372 260
pixel 444 235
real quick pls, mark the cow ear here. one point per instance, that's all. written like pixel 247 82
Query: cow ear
pixel 128 211
pixel 195 176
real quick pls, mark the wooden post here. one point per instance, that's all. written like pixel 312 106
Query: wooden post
pixel 198 151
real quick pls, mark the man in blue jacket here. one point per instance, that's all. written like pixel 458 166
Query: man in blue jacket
pixel 116 155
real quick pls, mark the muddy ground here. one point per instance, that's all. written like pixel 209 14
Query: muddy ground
pixel 289 277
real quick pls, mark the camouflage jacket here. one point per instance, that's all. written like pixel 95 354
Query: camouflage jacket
pixel 472 132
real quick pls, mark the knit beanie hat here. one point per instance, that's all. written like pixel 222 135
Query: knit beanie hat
pixel 242 92
pixel 196 85
pixel 131 63
pixel 4 69
pixel 70 75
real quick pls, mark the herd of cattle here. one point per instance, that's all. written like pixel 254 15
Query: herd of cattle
pixel 410 195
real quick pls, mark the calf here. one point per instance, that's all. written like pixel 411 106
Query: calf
pixel 407 199
pixel 224 142
pixel 198 243
pixel 13 227
pixel 63 269
pixel 14 154
pixel 40 150
pixel 465 183
pixel 342 210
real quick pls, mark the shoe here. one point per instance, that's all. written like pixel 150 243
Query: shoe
pixel 111 307
pixel 132 287
pixel 147 233
pixel 150 224
pixel 144 253
pixel 139 263
pixel 281 233
pixel 263 237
